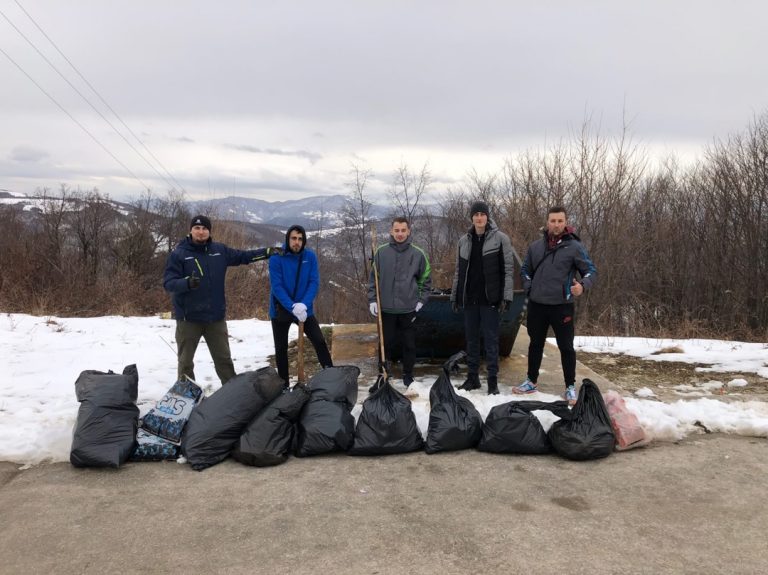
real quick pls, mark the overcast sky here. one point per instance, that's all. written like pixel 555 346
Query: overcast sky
pixel 276 100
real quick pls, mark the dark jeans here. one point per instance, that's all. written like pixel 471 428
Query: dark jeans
pixel 485 317
pixel 188 334
pixel 560 318
pixel 398 328
pixel 314 334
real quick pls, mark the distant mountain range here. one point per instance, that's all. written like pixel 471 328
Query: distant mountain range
pixel 313 212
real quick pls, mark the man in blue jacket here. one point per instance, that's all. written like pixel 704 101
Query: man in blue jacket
pixel 550 279
pixel 294 279
pixel 194 275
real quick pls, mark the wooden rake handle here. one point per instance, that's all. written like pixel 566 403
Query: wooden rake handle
pixel 300 354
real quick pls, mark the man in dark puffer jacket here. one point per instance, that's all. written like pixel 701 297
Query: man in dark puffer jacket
pixel 483 285
pixel 194 275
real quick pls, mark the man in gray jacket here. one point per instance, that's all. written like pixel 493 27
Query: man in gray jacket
pixel 404 285
pixel 483 285
pixel 550 279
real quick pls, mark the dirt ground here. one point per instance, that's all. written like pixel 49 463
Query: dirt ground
pixel 632 373
pixel 626 372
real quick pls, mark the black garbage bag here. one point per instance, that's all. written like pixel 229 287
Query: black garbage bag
pixel 269 437
pixel 326 423
pixel 454 422
pixel 107 421
pixel 386 424
pixel 169 416
pixel 512 427
pixel 588 433
pixel 217 423
pixel 153 448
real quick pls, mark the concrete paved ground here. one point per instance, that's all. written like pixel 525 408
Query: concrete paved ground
pixel 697 506
pixel 694 507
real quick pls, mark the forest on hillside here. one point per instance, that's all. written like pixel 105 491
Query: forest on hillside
pixel 680 251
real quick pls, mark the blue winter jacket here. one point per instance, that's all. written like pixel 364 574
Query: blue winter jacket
pixel 282 278
pixel 209 262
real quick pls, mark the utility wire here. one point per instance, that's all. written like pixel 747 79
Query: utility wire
pixel 87 101
pixel 94 138
pixel 98 95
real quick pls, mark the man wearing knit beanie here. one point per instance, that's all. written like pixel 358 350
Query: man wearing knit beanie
pixel 201 221
pixel 194 276
pixel 479 207
pixel 483 286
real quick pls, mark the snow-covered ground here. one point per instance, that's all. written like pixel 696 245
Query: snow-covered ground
pixel 42 358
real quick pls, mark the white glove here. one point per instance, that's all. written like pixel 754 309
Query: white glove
pixel 373 308
pixel 419 305
pixel 300 311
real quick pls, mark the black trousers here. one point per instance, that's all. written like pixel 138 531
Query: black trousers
pixel 399 331
pixel 483 318
pixel 314 334
pixel 560 317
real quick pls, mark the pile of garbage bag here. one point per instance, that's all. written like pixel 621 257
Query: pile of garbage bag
pixel 108 418
pixel 454 422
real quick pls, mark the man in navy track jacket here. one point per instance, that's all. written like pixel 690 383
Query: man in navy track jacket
pixel 194 275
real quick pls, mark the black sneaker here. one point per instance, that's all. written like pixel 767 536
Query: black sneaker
pixel 472 382
pixel 407 380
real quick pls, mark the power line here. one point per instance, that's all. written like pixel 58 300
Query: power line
pixel 71 85
pixel 94 138
pixel 87 101
pixel 98 95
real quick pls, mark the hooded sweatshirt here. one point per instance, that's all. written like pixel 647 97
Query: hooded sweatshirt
pixel 283 273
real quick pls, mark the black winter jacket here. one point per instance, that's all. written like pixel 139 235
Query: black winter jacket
pixel 498 267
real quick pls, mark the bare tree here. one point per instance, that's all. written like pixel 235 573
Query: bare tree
pixel 356 218
pixel 408 189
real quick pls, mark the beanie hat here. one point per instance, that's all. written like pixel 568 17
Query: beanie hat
pixel 201 221
pixel 479 206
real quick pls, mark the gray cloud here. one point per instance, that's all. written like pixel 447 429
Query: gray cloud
pixel 311 156
pixel 28 154
pixel 335 80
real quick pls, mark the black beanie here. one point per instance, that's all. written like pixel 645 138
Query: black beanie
pixel 479 206
pixel 201 221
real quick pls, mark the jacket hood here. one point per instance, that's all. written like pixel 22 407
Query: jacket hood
pixel 302 231
pixel 568 234
pixel 401 247
pixel 488 227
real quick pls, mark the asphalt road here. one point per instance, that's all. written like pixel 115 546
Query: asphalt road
pixel 698 506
